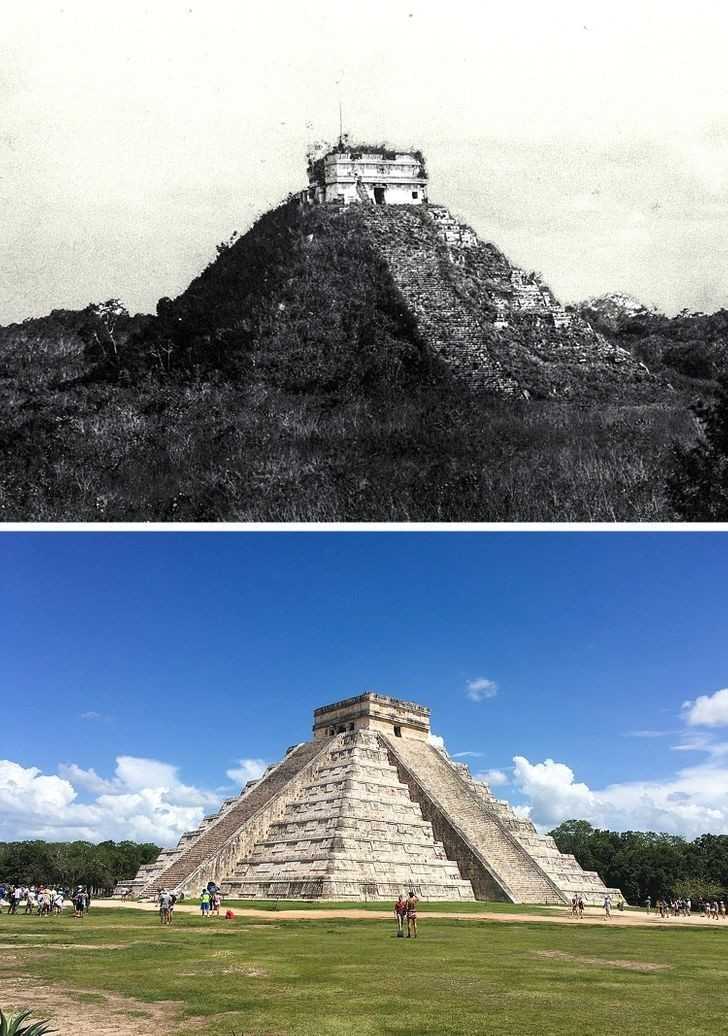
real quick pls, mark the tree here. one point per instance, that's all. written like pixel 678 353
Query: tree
pixel 100 330
pixel 698 484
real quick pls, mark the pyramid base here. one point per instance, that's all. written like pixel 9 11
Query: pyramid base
pixel 356 891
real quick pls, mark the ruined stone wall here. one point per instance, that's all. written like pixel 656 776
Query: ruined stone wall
pixel 491 323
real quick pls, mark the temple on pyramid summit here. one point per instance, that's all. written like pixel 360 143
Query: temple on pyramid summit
pixel 366 810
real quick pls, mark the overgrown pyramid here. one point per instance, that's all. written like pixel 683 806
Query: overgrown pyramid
pixel 368 809
pixel 348 284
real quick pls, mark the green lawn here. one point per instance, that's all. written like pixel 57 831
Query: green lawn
pixel 321 977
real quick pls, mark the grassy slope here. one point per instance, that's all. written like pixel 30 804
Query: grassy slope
pixel 329 977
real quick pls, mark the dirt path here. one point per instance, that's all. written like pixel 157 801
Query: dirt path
pixel 592 916
pixel 88 1013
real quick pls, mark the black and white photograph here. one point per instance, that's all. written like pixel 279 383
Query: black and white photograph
pixel 289 262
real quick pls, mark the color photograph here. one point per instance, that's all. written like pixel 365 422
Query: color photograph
pixel 364 783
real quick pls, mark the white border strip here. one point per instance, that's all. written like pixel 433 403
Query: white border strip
pixel 363 527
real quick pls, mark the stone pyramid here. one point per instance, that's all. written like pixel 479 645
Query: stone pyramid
pixel 354 830
pixel 366 810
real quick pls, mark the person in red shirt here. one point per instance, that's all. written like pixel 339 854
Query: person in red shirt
pixel 400 912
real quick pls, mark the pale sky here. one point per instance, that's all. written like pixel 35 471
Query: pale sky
pixel 588 140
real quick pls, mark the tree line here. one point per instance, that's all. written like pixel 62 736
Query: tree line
pixel 98 867
pixel 643 863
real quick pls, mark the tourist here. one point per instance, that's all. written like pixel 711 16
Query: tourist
pixel 215 903
pixel 173 899
pixel 79 902
pixel 400 912
pixel 165 907
pixel 574 905
pixel 58 902
pixel 608 906
pixel 411 906
pixel 205 903
pixel 649 903
pixel 580 906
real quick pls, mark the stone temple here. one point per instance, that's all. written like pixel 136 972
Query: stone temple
pixel 367 809
pixel 374 175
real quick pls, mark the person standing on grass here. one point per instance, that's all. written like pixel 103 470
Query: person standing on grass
pixel 400 912
pixel 215 903
pixel 573 905
pixel 205 903
pixel 580 906
pixel 411 906
pixel 79 902
pixel 165 907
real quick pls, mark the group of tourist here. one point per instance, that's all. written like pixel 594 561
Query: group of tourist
pixel 406 910
pixel 577 905
pixel 44 900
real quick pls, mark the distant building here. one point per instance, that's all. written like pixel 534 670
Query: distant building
pixel 369 175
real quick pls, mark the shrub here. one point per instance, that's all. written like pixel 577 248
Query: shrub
pixel 14 1025
pixel 698 483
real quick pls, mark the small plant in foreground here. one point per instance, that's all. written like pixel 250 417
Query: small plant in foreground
pixel 14 1025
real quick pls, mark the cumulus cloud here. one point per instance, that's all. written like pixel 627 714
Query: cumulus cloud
pixel 690 802
pixel 247 770
pixel 708 710
pixel 436 740
pixel 481 689
pixel 495 778
pixel 144 800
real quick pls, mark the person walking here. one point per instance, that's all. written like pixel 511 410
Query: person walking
pixel 411 905
pixel 607 906
pixel 400 912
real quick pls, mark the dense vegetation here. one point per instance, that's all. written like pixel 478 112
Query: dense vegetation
pixel 687 346
pixel 288 383
pixel 98 867
pixel 643 864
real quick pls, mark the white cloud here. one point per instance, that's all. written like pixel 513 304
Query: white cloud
pixel 87 779
pixel 480 689
pixel 144 800
pixel 647 733
pixel 247 770
pixel 708 710
pixel 91 715
pixel 436 740
pixel 691 802
pixel 463 755
pixel 495 778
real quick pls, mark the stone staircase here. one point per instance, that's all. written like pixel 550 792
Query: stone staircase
pixel 202 851
pixel 352 833
pixel 497 862
pixel 489 322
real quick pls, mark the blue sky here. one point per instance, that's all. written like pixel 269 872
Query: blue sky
pixel 194 658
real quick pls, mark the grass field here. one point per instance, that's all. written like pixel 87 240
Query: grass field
pixel 118 972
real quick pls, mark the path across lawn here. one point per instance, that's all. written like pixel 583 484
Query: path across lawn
pixel 550 915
